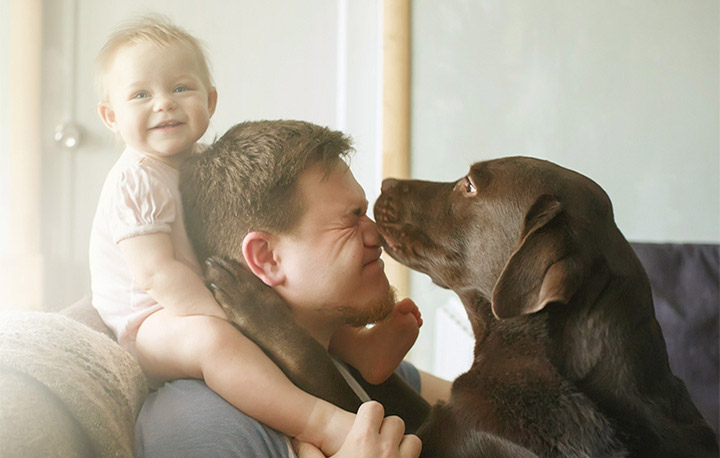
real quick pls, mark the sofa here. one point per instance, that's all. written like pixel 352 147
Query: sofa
pixel 68 390
pixel 685 282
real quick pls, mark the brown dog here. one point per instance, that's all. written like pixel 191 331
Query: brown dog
pixel 569 358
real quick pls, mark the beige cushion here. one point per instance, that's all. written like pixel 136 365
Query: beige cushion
pixel 66 389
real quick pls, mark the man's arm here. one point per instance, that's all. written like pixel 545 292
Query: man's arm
pixel 434 389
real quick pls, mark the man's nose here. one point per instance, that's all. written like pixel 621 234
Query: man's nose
pixel 371 236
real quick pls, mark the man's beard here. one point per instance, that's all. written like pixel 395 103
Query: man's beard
pixel 370 313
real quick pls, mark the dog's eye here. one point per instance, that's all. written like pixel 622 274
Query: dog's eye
pixel 466 187
pixel 469 187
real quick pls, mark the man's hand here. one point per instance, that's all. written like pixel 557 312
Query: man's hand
pixel 371 436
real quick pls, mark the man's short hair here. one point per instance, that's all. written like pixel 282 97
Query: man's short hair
pixel 246 181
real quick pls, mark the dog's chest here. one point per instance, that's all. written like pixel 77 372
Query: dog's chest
pixel 509 340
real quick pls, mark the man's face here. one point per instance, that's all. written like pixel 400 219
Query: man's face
pixel 331 260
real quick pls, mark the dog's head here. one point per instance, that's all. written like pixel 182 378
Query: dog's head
pixel 522 232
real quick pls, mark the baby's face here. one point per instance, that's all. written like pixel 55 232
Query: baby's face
pixel 157 100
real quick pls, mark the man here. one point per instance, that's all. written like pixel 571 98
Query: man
pixel 277 196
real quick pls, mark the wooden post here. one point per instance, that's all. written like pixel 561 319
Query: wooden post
pixel 21 270
pixel 396 110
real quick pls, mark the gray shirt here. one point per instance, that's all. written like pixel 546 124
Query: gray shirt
pixel 185 418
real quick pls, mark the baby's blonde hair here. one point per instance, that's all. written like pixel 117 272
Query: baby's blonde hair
pixel 155 30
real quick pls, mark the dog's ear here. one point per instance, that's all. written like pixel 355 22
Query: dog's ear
pixel 539 271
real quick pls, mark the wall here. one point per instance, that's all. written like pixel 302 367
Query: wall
pixel 624 92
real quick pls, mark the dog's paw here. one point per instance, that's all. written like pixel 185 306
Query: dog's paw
pixel 246 300
pixel 224 273
pixel 230 282
pixel 222 277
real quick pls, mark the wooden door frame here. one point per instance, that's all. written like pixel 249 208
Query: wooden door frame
pixel 21 269
pixel 396 110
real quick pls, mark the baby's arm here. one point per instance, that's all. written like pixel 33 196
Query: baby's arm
pixel 231 365
pixel 171 283
pixel 204 347
pixel 376 352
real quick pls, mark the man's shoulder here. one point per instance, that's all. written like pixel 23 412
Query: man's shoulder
pixel 187 418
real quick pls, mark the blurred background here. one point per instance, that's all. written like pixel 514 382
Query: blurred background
pixel 626 93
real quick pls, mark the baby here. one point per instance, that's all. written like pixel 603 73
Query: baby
pixel 157 94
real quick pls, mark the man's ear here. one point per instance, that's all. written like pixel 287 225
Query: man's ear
pixel 212 100
pixel 107 114
pixel 260 258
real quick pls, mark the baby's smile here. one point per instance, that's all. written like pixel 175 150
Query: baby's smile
pixel 168 125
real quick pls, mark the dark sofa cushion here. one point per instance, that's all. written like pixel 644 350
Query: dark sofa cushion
pixel 685 281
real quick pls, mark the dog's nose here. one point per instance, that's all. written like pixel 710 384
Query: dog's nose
pixel 388 184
